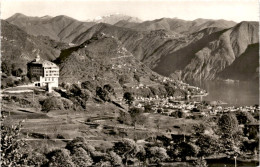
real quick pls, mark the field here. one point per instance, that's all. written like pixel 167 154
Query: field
pixel 98 123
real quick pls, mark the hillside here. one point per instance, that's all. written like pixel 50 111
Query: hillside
pixel 104 60
pixel 222 51
pixel 193 56
pixel 60 28
pixel 17 47
pixel 245 67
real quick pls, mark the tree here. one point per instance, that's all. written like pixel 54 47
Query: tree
pixel 208 144
pixel 126 148
pixel 136 115
pixel 75 89
pixel 76 143
pixel 228 123
pixel 159 110
pixel 229 134
pixel 52 103
pixel 187 149
pixel 115 159
pixel 180 114
pixel 157 154
pixel 81 157
pixel 200 163
pixel 60 158
pixel 128 97
pixel 25 79
pixel 6 68
pixel 199 128
pixel 13 152
pixel 88 85
pixel 124 79
pixel 37 159
pixel 148 108
pixel 137 77
pixel 124 118
pixel 244 117
pixel 169 89
pixel 109 88
pixel 17 72
pixel 102 94
pixel 80 142
pixel 250 145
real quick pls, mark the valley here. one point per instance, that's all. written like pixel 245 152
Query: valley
pixel 123 97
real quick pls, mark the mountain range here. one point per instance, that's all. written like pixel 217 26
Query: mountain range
pixel 189 50
pixel 60 28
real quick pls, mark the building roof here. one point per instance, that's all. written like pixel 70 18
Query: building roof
pixel 44 63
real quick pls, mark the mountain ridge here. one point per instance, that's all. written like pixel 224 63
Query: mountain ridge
pixel 227 45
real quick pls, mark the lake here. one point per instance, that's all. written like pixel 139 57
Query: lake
pixel 233 93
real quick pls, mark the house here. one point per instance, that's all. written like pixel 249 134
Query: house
pixel 45 72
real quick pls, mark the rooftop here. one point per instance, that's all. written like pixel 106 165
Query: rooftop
pixel 44 63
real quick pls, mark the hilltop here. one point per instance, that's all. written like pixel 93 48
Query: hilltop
pixel 60 28
pixel 177 25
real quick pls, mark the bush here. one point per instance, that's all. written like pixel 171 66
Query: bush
pixel 148 108
pixel 124 79
pixel 67 104
pixel 128 97
pixel 115 159
pixel 102 94
pixel 17 72
pixel 52 103
pixel 244 117
pixel 178 114
pixel 109 88
pixel 9 82
pixel 124 118
pixel 81 158
pixel 157 154
pixel 136 115
pixel 76 143
pixel 60 158
pixel 75 89
pixel 25 80
pixel 37 159
pixel 88 85
pixel 200 163
pixel 13 152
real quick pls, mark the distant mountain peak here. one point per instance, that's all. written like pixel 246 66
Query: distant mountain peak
pixel 17 16
pixel 46 17
pixel 114 18
pixel 63 17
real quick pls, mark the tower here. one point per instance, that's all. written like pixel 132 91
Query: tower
pixel 38 57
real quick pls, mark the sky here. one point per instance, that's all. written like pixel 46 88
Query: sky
pixel 235 10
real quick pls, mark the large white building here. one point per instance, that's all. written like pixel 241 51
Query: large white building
pixel 44 72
